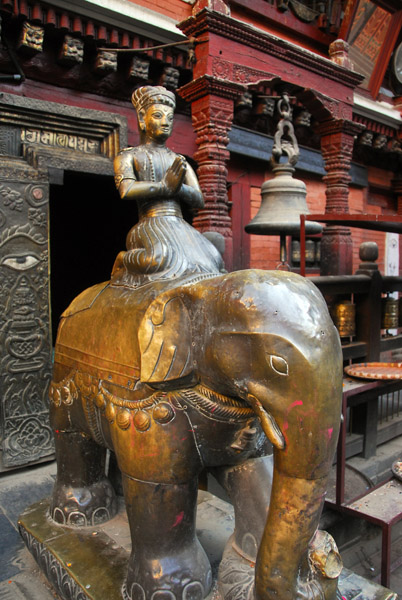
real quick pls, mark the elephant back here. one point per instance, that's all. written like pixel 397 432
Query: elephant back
pixel 98 332
pixel 114 332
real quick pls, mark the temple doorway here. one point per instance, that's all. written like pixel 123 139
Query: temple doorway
pixel 88 224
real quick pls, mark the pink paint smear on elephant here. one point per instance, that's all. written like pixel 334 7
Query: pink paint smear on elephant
pixel 179 519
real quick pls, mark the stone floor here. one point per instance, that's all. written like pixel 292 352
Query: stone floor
pixel 21 579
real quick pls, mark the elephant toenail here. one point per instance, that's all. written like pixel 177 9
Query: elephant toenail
pixel 193 591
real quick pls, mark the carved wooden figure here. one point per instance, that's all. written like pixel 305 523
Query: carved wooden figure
pixel 177 368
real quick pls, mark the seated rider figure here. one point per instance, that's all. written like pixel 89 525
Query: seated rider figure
pixel 162 244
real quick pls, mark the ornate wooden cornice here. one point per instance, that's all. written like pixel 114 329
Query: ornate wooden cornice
pixel 50 44
pixel 207 21
pixel 205 85
pixel 375 126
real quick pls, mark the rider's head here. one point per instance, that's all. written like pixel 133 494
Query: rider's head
pixel 155 106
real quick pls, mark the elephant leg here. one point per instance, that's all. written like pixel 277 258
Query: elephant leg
pixel 250 509
pixel 166 557
pixel 82 493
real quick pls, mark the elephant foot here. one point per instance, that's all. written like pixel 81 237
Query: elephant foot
pixel 236 575
pixel 181 575
pixel 83 506
pixel 318 582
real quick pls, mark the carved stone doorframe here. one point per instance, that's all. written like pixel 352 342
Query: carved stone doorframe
pixel 36 137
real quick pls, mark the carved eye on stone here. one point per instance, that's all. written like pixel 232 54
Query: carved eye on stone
pixel 279 365
pixel 21 262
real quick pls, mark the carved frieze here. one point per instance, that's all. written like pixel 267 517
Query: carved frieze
pixel 106 61
pixel 60 140
pixel 221 68
pixel 72 51
pixel 303 119
pixel 139 68
pixel 170 78
pixel 31 38
pixel 326 109
pixel 365 139
pixel 395 145
pixel 243 110
pixel 293 57
pixel 380 142
pixel 224 69
pixel 10 141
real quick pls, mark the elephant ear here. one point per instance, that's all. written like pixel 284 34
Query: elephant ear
pixel 165 341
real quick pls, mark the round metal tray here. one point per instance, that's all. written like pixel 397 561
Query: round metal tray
pixel 375 370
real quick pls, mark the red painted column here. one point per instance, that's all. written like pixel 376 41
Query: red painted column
pixel 337 138
pixel 212 103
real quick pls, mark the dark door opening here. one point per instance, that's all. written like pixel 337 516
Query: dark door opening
pixel 88 227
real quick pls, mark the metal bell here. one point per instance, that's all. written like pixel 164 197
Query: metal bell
pixel 283 200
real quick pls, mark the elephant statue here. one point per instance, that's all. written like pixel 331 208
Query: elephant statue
pixel 177 376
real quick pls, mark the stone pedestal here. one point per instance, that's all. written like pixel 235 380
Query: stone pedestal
pixel 90 563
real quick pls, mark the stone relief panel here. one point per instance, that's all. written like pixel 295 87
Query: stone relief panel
pixel 36 135
pixel 25 347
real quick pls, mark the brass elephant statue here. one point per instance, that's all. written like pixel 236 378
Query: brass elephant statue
pixel 178 376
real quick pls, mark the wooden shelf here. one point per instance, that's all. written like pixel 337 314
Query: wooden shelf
pixel 352 350
pixel 342 284
pixel 390 223
pixel 390 343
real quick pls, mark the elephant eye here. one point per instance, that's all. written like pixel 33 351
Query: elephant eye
pixel 279 364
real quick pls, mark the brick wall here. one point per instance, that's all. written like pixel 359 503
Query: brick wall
pixel 264 250
pixel 175 9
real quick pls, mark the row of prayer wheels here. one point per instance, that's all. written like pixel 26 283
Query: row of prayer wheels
pixel 312 253
pixel 343 314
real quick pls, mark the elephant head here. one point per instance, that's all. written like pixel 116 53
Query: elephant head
pixel 267 338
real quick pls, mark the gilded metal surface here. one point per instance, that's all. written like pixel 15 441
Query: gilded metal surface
pixel 180 373
pixel 161 244
pixel 389 313
pixel 310 251
pixel 344 316
pixel 257 344
pixel 80 564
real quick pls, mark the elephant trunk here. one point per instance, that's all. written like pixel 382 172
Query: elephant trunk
pixel 294 513
pixel 285 566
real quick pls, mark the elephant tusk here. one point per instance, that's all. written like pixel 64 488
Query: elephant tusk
pixel 269 425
